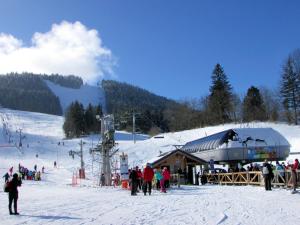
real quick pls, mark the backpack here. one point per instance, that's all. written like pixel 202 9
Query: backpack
pixel 265 170
pixel 7 186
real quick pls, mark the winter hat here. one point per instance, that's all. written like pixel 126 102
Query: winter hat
pixel 15 175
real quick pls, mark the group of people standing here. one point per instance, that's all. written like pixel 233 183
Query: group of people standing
pixel 14 180
pixel 268 173
pixel 139 180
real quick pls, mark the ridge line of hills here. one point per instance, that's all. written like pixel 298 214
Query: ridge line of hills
pixel 52 94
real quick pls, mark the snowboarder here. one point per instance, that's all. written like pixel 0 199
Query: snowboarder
pixel 13 194
pixel 148 176
pixel 6 177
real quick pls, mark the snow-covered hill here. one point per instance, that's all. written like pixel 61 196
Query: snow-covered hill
pixel 85 94
pixel 43 132
pixel 54 201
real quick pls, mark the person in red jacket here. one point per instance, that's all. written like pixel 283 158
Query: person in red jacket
pixel 294 168
pixel 148 176
pixel 166 175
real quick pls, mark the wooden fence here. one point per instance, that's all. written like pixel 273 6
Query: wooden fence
pixel 252 178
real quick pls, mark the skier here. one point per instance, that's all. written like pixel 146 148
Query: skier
pixel 6 177
pixel 35 167
pixel 148 176
pixel 13 194
pixel 54 164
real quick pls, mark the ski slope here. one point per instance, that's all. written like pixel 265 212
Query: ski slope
pixel 85 94
pixel 54 201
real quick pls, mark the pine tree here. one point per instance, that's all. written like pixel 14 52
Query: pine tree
pixel 290 88
pixel 89 118
pixel 253 106
pixel 220 98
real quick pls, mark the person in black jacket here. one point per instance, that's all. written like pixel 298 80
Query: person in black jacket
pixel 268 175
pixel 6 177
pixel 134 181
pixel 13 194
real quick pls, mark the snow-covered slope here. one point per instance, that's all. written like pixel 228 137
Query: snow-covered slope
pixel 85 94
pixel 42 133
pixel 54 201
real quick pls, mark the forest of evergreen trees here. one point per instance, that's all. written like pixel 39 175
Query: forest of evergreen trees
pixel 221 105
pixel 28 92
pixel 153 113
pixel 80 121
pixel 70 81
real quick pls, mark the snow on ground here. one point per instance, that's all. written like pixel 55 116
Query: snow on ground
pixel 54 201
pixel 42 203
pixel 85 94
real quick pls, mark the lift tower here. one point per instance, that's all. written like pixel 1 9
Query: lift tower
pixel 106 147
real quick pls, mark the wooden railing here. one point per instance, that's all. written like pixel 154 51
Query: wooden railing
pixel 252 178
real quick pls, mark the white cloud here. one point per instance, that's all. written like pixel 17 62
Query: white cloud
pixel 68 48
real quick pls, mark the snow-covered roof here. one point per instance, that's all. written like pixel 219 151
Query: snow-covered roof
pixel 238 137
pixel 165 155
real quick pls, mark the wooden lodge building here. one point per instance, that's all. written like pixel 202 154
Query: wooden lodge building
pixel 177 160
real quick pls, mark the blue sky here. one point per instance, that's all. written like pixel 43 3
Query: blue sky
pixel 171 47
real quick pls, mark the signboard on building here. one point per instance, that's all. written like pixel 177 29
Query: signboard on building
pixel 124 166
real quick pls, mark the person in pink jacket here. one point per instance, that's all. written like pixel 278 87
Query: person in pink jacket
pixel 294 168
pixel 166 175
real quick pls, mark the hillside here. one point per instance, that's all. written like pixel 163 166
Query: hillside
pixel 28 92
pixel 153 111
pixel 53 94
pixel 55 201
pixel 85 94
pixel 46 130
